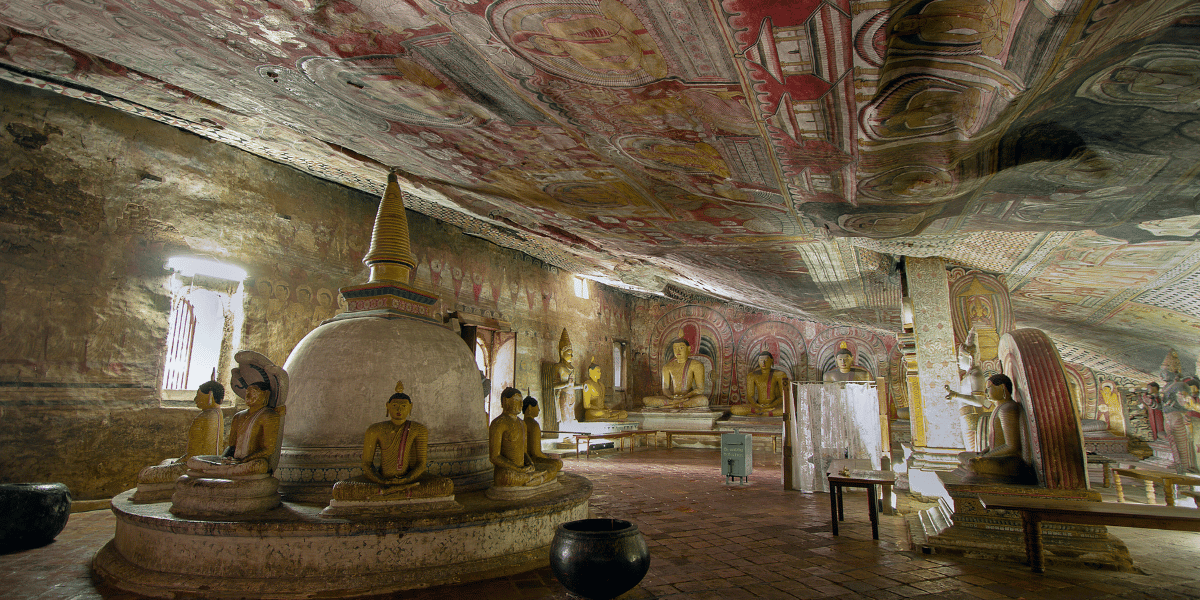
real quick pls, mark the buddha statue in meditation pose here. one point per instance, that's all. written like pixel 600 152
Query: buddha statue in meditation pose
pixel 682 380
pixel 1004 460
pixel 240 480
pixel 403 449
pixel 533 438
pixel 845 369
pixel 508 448
pixel 594 408
pixel 765 387
pixel 157 482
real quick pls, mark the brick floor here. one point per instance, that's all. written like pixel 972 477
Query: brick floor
pixel 711 541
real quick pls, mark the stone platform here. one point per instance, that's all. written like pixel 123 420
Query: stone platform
pixel 767 424
pixel 1105 443
pixel 694 419
pixel 962 527
pixel 292 552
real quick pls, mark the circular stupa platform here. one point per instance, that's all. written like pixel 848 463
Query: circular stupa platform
pixel 292 552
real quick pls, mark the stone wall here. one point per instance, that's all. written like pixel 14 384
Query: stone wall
pixel 94 204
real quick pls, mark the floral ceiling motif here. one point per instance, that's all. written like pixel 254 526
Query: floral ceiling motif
pixel 778 154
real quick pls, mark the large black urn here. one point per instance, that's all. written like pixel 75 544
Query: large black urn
pixel 31 514
pixel 599 558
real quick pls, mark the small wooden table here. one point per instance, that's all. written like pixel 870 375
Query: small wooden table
pixel 1035 510
pixel 1105 465
pixel 861 479
pixel 1167 480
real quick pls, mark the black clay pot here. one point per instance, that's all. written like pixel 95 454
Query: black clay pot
pixel 599 558
pixel 32 514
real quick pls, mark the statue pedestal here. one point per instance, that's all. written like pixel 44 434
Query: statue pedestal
pixel 1163 456
pixel 962 527
pixel 1103 442
pixel 369 508
pixel 751 423
pixel 522 492
pixel 210 497
pixel 691 419
pixel 293 552
pixel 157 483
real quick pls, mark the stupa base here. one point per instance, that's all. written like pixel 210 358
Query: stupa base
pixel 293 552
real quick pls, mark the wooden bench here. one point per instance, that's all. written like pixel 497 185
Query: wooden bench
pixel 582 437
pixel 1035 510
pixel 775 437
pixel 1168 481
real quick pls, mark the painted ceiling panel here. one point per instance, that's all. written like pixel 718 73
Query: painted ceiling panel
pixel 778 154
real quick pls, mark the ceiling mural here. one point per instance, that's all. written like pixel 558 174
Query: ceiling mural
pixel 777 154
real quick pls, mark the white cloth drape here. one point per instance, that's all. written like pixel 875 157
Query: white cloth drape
pixel 827 422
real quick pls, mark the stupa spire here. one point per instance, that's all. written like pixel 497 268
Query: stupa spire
pixel 390 258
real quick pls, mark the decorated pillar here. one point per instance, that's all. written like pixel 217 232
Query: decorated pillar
pixel 936 435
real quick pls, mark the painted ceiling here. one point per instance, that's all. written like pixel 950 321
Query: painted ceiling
pixel 777 153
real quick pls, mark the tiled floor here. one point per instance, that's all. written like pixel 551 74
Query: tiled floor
pixel 708 541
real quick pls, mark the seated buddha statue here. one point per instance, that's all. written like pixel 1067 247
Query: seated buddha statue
pixel 508 451
pixel 402 475
pixel 1003 461
pixel 682 381
pixel 157 482
pixel 845 369
pixel 533 438
pixel 764 389
pixel 240 480
pixel 594 408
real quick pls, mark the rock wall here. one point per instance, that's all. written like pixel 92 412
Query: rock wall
pixel 94 203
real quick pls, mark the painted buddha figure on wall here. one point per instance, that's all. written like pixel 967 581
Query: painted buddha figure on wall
pixel 765 387
pixel 845 369
pixel 682 381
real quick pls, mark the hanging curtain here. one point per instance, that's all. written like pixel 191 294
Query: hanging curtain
pixel 827 422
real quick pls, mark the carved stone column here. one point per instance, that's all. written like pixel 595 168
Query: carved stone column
pixel 937 437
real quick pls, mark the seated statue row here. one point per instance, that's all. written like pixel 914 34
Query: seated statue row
pixel 402 474
pixel 1003 461
pixel 508 451
pixel 682 381
pixel 765 387
pixel 157 482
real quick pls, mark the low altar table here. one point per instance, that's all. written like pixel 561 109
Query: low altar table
pixel 1035 510
pixel 872 481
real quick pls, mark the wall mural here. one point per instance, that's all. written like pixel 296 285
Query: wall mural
pixel 724 146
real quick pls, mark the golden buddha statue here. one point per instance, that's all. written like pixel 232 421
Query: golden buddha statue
pixel 533 439
pixel 157 482
pixel 403 448
pixel 594 408
pixel 1004 460
pixel 240 480
pixel 845 370
pixel 563 382
pixel 682 380
pixel 765 387
pixel 508 447
pixel 970 392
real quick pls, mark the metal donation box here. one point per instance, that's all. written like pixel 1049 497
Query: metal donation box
pixel 737 456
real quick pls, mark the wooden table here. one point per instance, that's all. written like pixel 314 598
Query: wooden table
pixel 1105 465
pixel 1167 480
pixel 861 479
pixel 1035 510
pixel 775 437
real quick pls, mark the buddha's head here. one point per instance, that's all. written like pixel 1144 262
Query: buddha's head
pixel 567 354
pixel 530 408
pixel 257 394
pixel 681 348
pixel 766 361
pixel 844 359
pixel 999 388
pixel 399 406
pixel 510 401
pixel 209 395
pixel 594 372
